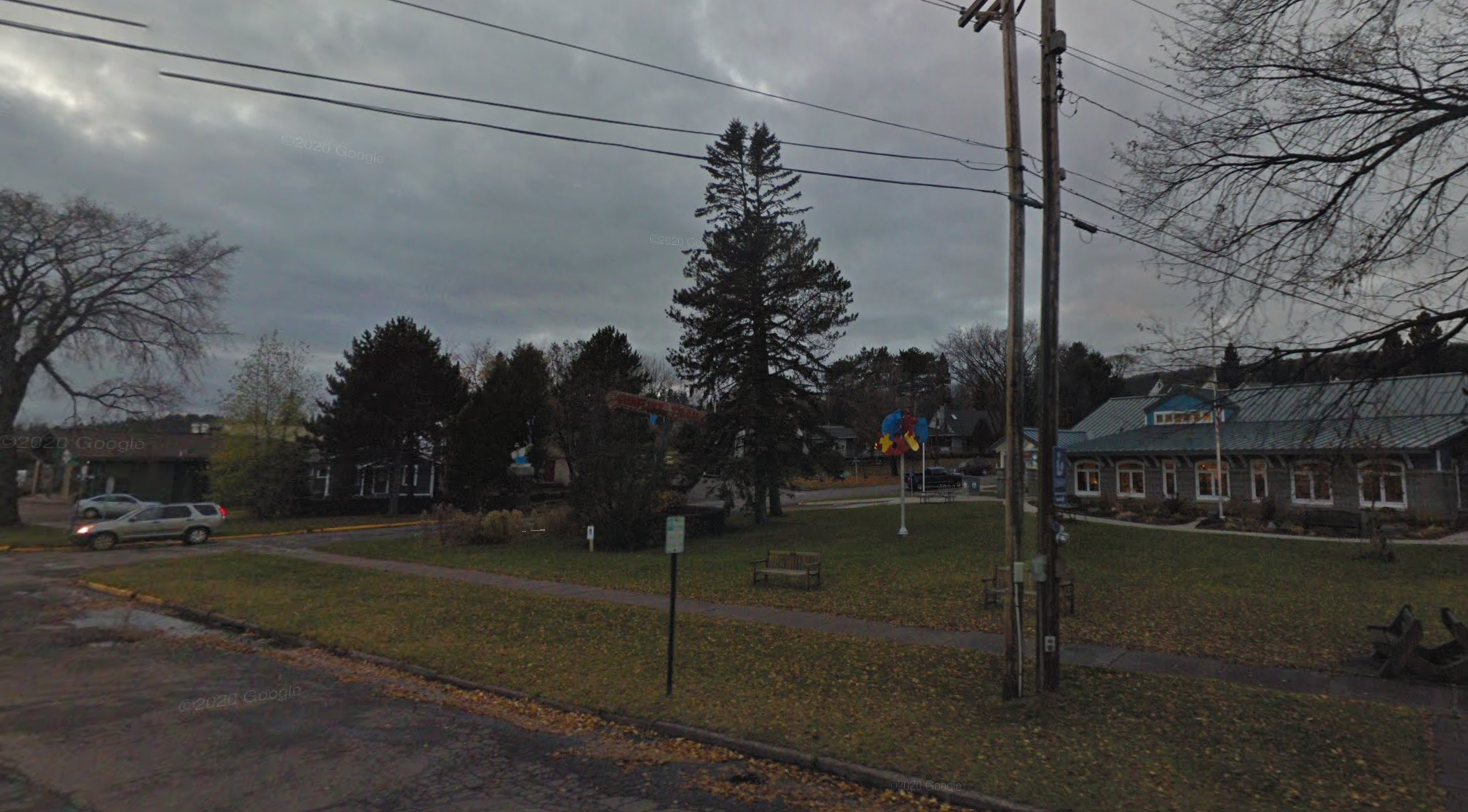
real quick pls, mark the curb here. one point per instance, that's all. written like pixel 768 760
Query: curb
pixel 319 530
pixel 871 777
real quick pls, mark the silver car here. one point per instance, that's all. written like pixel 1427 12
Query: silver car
pixel 110 505
pixel 192 522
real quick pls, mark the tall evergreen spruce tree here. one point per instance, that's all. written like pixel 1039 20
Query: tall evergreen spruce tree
pixel 390 400
pixel 760 319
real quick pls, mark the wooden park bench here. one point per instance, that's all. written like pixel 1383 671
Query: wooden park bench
pixel 944 495
pixel 792 564
pixel 1447 662
pixel 995 588
pixel 1397 642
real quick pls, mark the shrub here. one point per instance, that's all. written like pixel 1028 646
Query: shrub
pixel 452 527
pixel 669 503
pixel 558 520
pixel 501 526
pixel 1268 509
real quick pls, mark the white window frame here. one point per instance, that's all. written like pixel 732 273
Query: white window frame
pixel 413 467
pixel 1401 472
pixel 381 476
pixel 1169 472
pixel 1087 466
pixel 1131 467
pixel 1314 497
pixel 1223 482
pixel 1259 471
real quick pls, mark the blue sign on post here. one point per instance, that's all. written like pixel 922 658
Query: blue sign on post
pixel 1061 474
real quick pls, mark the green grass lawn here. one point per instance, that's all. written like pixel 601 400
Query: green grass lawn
pixel 1111 741
pixel 34 535
pixel 1296 602
pixel 242 524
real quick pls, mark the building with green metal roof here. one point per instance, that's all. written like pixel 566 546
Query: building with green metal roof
pixel 1396 443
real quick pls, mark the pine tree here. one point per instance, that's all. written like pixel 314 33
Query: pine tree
pixel 390 400
pixel 512 406
pixel 1424 341
pixel 1231 371
pixel 760 319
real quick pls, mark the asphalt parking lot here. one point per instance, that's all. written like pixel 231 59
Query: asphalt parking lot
pixel 106 707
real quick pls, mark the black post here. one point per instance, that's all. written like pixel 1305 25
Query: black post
pixel 672 618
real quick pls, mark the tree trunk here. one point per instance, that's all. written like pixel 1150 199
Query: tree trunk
pixel 775 509
pixel 9 491
pixel 9 461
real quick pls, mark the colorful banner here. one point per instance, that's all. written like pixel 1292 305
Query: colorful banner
pixel 901 432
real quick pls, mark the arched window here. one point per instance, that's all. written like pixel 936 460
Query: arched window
pixel 1312 483
pixel 1383 484
pixel 1088 478
pixel 1131 480
pixel 1207 474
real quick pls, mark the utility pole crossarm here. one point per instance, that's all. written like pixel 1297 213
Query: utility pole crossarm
pixel 979 18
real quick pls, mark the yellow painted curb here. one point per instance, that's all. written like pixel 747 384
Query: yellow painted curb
pixel 148 599
pixel 110 590
pixel 71 548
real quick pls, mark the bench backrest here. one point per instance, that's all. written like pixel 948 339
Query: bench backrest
pixel 790 560
pixel 1404 618
pixel 1460 633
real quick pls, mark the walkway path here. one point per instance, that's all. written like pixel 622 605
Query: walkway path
pixel 1446 703
pixel 1438 698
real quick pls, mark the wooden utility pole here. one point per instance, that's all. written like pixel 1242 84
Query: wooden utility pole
pixel 1047 640
pixel 1014 473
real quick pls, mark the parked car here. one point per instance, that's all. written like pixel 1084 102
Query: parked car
pixel 977 467
pixel 110 505
pixel 192 522
pixel 936 478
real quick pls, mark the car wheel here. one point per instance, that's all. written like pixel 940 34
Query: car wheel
pixel 90 513
pixel 196 535
pixel 104 541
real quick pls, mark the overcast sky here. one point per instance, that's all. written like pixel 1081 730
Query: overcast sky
pixel 481 234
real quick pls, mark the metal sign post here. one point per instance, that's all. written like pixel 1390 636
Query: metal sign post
pixel 674 545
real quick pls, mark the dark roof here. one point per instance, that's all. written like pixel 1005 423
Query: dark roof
pixel 839 432
pixel 103 445
pixel 949 422
pixel 1414 413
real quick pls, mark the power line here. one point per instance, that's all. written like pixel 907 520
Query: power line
pixel 87 14
pixel 1086 56
pixel 1265 285
pixel 553 136
pixel 980 166
pixel 694 76
pixel 1256 269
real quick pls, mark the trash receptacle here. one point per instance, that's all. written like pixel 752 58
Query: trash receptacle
pixel 971 485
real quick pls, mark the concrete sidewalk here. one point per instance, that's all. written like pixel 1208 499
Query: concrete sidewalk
pixel 1442 699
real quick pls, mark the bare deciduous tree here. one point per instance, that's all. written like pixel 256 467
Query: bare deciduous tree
pixel 1310 194
pixel 83 288
pixel 474 362
pixel 977 357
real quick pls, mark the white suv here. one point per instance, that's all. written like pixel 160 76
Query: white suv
pixel 193 522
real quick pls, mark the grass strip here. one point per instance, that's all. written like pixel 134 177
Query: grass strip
pixel 34 535
pixel 1288 602
pixel 1112 741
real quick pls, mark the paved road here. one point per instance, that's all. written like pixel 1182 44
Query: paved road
pixel 108 708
